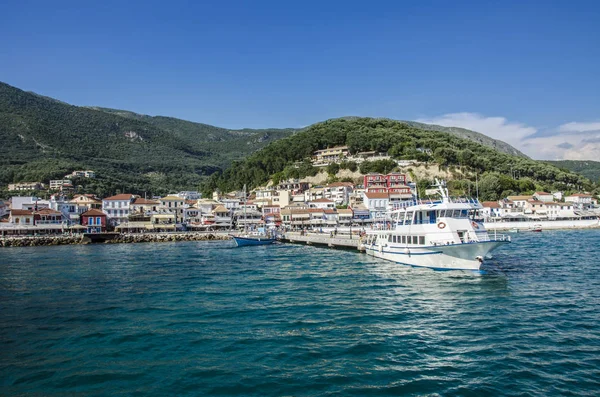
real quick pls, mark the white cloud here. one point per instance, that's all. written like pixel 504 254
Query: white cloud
pixel 575 126
pixel 570 141
pixel 495 127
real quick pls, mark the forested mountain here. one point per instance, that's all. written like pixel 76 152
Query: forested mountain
pixel 44 139
pixel 239 143
pixel 587 168
pixel 497 171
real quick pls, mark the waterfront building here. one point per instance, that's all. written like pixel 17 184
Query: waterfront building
pixel 222 217
pixel 544 197
pixel 360 214
pixel 491 209
pixel 94 221
pixel 580 200
pixel 21 217
pixel 118 208
pixel 520 201
pixel 164 222
pixel 321 203
pixel 85 202
pixel 28 203
pixel 345 216
pixel 172 205
pixel 145 206
pixel 377 204
pixel 47 216
pixel 317 217
pixel 295 217
pixel 338 192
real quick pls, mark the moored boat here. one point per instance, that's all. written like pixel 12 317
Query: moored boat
pixel 243 241
pixel 536 228
pixel 441 235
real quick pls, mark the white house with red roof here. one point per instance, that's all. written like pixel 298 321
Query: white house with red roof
pixel 544 197
pixel 321 203
pixel 118 208
pixel 580 200
pixel 377 203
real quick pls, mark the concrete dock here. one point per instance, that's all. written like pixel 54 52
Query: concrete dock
pixel 341 241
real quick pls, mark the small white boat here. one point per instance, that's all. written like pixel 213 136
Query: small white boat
pixel 441 235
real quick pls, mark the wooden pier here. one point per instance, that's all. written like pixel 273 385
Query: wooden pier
pixel 340 241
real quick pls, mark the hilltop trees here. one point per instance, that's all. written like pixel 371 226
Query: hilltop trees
pixel 499 172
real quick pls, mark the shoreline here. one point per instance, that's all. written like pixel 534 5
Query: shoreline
pixel 50 240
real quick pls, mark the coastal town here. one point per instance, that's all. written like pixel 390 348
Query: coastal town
pixel 293 204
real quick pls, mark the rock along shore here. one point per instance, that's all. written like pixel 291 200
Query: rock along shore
pixel 31 241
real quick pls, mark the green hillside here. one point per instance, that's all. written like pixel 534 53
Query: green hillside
pixel 471 135
pixel 230 144
pixel 587 168
pixel 401 140
pixel 44 139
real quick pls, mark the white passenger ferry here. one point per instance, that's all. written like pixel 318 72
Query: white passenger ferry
pixel 441 235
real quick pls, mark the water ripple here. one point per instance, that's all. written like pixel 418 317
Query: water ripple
pixel 202 318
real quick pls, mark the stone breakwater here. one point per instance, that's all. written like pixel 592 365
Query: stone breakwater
pixel 30 241
pixel 166 237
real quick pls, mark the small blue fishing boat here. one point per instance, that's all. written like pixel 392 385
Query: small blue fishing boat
pixel 253 240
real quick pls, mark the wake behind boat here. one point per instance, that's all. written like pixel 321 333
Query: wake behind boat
pixel 440 235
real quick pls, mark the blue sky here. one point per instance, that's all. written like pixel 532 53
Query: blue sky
pixel 520 71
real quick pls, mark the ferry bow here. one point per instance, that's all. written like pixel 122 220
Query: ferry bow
pixel 441 235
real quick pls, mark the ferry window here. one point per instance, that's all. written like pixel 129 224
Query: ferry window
pixel 422 240
pixel 403 239
pixel 442 213
pixel 414 239
pixel 464 214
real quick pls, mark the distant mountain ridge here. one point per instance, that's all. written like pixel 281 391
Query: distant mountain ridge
pixel 471 135
pixel 589 169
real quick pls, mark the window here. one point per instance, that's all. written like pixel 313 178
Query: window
pixel 26 220
pixel 17 220
pixel 98 221
pixel 90 220
pixel 403 239
pixel 415 240
pixel 422 240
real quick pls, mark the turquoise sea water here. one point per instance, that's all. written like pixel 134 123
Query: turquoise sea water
pixel 208 319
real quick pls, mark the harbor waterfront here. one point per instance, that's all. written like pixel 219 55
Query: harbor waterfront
pixel 205 318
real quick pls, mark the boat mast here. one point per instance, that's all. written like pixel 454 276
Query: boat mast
pixel 245 202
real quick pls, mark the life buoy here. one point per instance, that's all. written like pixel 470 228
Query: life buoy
pixel 475 225
pixel 441 225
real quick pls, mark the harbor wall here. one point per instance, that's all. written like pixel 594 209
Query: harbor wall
pixel 31 241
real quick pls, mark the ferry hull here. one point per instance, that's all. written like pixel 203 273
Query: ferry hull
pixel 448 257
